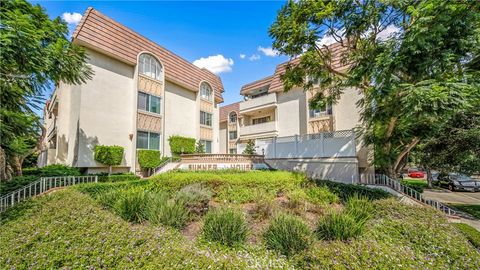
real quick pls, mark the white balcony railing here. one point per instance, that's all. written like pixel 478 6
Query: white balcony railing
pixel 52 126
pixel 259 102
pixel 268 127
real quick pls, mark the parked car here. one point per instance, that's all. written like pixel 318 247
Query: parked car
pixel 415 173
pixel 458 182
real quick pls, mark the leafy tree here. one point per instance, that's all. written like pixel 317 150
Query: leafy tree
pixel 455 147
pixel 35 53
pixel 109 155
pixel 199 148
pixel 413 61
pixel 250 148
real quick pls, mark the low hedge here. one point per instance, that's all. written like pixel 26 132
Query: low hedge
pixel 109 154
pixel 33 174
pixel 470 233
pixel 181 145
pixel 345 191
pixel 418 185
pixel 148 159
pixel 118 178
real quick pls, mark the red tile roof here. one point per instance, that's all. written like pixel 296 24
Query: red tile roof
pixel 227 109
pixel 265 82
pixel 275 83
pixel 99 32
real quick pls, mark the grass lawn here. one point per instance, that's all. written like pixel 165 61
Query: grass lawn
pixel 472 209
pixel 114 226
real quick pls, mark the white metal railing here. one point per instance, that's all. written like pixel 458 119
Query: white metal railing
pixel 41 186
pixel 383 180
pixel 164 163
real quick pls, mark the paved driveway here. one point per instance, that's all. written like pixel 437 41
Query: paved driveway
pixel 446 196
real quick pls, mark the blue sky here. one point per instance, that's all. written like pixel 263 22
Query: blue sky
pixel 232 32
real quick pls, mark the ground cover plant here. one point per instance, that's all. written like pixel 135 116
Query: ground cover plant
pixel 472 209
pixel 228 220
pixel 471 233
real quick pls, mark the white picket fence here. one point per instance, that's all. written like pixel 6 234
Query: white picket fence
pixel 383 180
pixel 41 186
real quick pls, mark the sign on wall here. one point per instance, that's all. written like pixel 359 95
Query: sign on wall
pixel 216 166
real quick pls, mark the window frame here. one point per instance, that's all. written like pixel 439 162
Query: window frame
pixel 148 139
pixel 203 117
pixel 321 112
pixel 147 59
pixel 204 143
pixel 149 102
pixel 230 133
pixel 230 117
pixel 269 119
pixel 204 86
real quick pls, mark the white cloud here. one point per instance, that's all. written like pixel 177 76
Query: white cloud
pixel 388 32
pixel 215 63
pixel 254 57
pixel 72 18
pixel 268 51
pixel 242 56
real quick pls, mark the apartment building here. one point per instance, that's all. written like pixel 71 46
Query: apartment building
pixel 140 95
pixel 268 112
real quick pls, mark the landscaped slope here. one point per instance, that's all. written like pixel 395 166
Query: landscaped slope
pixel 257 215
pixel 68 228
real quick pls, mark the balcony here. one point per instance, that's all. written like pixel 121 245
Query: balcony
pixel 52 127
pixel 261 102
pixel 269 128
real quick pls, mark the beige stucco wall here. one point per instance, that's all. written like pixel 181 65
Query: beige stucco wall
pixel 182 115
pixel 106 109
pixel 291 113
pixel 222 137
pixel 346 111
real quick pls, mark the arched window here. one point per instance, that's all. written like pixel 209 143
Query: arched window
pixel 149 66
pixel 232 118
pixel 206 91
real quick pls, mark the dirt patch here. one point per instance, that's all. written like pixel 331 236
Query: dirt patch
pixel 192 230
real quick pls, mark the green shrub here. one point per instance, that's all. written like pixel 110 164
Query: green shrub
pixel 472 209
pixel 52 170
pixel 195 197
pixel 118 177
pixel 131 204
pixel 225 226
pixel 287 235
pixel 181 145
pixel 339 226
pixel 344 191
pixel 297 198
pixel 33 174
pixel 161 210
pixel 199 147
pixel 108 198
pixel 470 233
pixel 418 185
pixel 359 207
pixel 16 183
pixel 148 159
pixel 321 195
pixel 108 155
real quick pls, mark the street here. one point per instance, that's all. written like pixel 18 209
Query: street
pixel 448 197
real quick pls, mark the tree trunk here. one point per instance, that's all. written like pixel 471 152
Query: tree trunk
pixel 17 166
pixel 429 177
pixel 4 172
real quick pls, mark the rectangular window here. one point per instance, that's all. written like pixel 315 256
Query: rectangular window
pixel 321 111
pixel 148 103
pixel 143 101
pixel 232 135
pixel 207 146
pixel 233 151
pixel 205 118
pixel 148 140
pixel 142 140
pixel 260 120
pixel 154 104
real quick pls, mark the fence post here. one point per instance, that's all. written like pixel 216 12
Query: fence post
pixel 274 147
pixel 296 145
pixel 96 178
pixel 322 145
